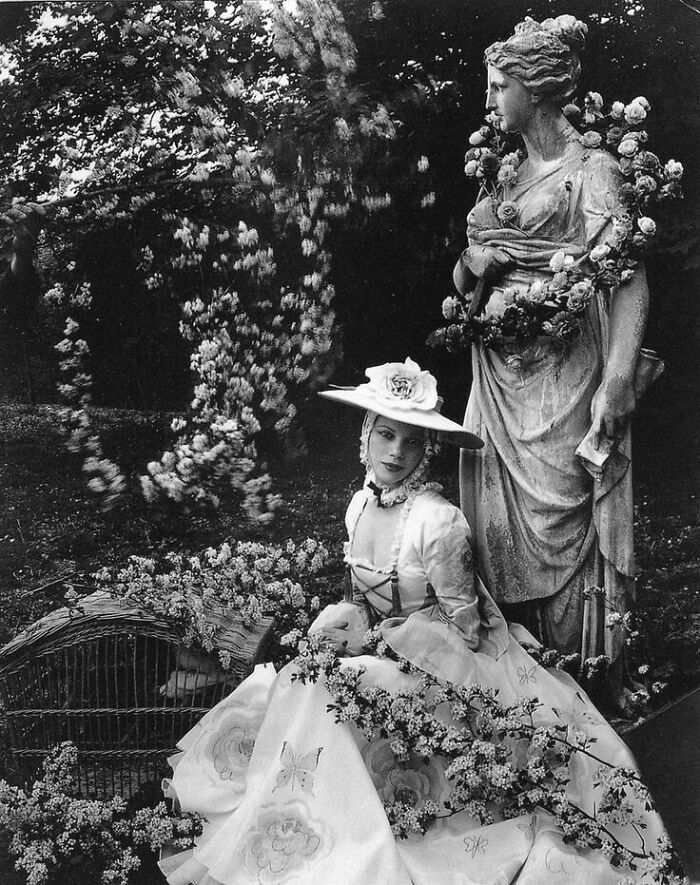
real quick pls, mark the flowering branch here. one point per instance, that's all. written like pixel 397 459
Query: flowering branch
pixel 491 753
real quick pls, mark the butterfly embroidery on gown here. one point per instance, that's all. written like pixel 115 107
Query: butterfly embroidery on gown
pixel 297 769
pixel 527 674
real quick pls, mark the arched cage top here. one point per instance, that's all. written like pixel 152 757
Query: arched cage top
pixel 118 682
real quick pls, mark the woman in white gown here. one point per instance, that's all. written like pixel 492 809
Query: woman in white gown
pixel 291 795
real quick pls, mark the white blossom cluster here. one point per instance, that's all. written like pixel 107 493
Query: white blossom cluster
pixel 249 578
pixel 104 479
pixel 55 833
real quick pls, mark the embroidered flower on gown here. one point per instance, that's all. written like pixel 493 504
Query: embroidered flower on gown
pixel 283 842
pixel 231 751
pixel 230 745
pixel 412 782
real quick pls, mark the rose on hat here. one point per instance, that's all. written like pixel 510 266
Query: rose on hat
pixel 403 385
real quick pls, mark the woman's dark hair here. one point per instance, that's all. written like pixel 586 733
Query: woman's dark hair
pixel 543 56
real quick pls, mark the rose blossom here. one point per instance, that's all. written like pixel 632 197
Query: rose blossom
pixel 512 159
pixel 476 138
pixel 577 301
pixel 635 113
pixel 507 212
pixel 592 139
pixel 598 253
pixel 449 307
pixel 489 161
pixel 471 168
pixel 673 169
pixel 647 225
pixel 613 135
pixel 595 99
pixel 646 184
pixel 627 147
pixel 536 293
pixel 617 110
pixel 646 161
pixel 643 102
pixel 560 261
pixel 506 175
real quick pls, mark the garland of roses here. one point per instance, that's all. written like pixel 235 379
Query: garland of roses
pixel 554 309
pixel 478 744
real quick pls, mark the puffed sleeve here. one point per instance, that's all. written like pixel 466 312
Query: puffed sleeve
pixel 447 559
pixel 464 623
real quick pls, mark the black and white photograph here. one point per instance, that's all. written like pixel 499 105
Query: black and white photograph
pixel 350 442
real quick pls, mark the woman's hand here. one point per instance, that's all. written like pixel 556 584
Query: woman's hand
pixel 341 640
pixel 612 404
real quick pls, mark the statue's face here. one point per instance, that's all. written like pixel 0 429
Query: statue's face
pixel 509 99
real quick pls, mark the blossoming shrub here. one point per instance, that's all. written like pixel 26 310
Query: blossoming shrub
pixel 56 836
pixel 218 143
pixel 248 578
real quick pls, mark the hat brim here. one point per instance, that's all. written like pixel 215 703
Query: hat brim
pixel 449 430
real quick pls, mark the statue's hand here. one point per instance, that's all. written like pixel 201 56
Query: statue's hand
pixel 612 404
pixel 486 261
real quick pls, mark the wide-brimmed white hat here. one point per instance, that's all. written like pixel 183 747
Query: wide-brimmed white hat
pixel 407 393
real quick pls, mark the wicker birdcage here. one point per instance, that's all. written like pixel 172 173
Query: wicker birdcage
pixel 117 681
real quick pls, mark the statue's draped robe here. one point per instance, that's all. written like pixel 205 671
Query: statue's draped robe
pixel 544 531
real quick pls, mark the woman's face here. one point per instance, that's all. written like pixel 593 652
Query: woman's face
pixel 395 450
pixel 509 99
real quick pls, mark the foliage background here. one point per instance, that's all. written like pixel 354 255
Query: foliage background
pixel 391 270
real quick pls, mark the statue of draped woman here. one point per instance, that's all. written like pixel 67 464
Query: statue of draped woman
pixel 553 544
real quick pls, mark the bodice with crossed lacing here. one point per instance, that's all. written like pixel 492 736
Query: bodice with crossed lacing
pixel 430 562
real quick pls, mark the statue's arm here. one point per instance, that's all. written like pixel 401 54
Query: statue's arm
pixel 614 400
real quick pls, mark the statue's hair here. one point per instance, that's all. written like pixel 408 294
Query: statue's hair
pixel 543 56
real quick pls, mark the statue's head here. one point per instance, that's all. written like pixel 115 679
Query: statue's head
pixel 543 56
